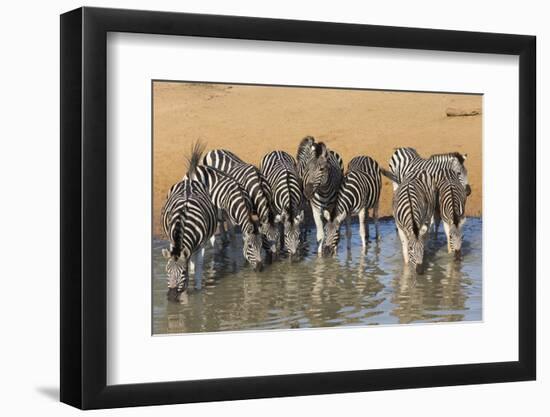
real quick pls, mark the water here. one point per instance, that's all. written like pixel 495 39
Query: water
pixel 374 288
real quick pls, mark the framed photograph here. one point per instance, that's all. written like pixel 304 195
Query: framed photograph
pixel 259 208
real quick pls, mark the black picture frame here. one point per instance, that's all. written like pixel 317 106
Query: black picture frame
pixel 84 207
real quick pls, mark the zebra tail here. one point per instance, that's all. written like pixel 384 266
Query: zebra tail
pixel 389 175
pixel 194 159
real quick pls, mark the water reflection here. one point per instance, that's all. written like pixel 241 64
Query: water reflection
pixel 353 288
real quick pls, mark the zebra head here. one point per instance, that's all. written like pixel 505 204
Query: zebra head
pixel 416 249
pixel 332 234
pixel 270 234
pixel 455 239
pixel 178 277
pixel 252 246
pixel 316 170
pixel 292 232
pixel 459 167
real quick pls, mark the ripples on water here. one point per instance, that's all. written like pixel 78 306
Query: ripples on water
pixel 350 289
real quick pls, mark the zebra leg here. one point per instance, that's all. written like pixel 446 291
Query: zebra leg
pixel 230 230
pixel 366 225
pixel 436 220
pixel 376 226
pixel 363 227
pixel 348 232
pixel 447 233
pixel 199 256
pixel 221 228
pixel 404 245
pixel 319 226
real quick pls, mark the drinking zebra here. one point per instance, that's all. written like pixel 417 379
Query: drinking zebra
pixel 321 171
pixel 189 221
pixel 279 169
pixel 450 207
pixel 406 160
pixel 250 178
pixel 359 192
pixel 413 209
pixel 230 197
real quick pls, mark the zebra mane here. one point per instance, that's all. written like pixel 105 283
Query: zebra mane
pixel 414 225
pixel 461 158
pixel 177 248
pixel 456 218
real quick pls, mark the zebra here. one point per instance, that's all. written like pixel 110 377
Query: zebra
pixel 321 171
pixel 250 178
pixel 450 207
pixel 230 197
pixel 279 169
pixel 406 160
pixel 359 192
pixel 189 221
pixel 413 209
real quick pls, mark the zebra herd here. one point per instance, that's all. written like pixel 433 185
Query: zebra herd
pixel 268 203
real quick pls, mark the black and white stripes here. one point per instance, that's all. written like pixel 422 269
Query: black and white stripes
pixel 405 161
pixel 189 221
pixel 279 169
pixel 262 201
pixel 359 192
pixel 431 189
pixel 230 197
pixel 321 172
pixel 451 208
pixel 413 210
pixel 250 178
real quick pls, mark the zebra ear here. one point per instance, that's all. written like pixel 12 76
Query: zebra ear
pixel 278 218
pixel 326 215
pixel 166 253
pixel 465 156
pixel 300 216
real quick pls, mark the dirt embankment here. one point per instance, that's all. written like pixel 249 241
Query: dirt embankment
pixel 253 120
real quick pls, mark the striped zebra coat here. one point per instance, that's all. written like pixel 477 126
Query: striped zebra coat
pixel 189 221
pixel 321 171
pixel 451 208
pixel 405 161
pixel 230 197
pixel 250 178
pixel 413 209
pixel 279 169
pixel 359 192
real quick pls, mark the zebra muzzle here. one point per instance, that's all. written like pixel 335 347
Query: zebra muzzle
pixel 458 255
pixel 174 293
pixel 328 251
pixel 419 269
pixel 259 267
